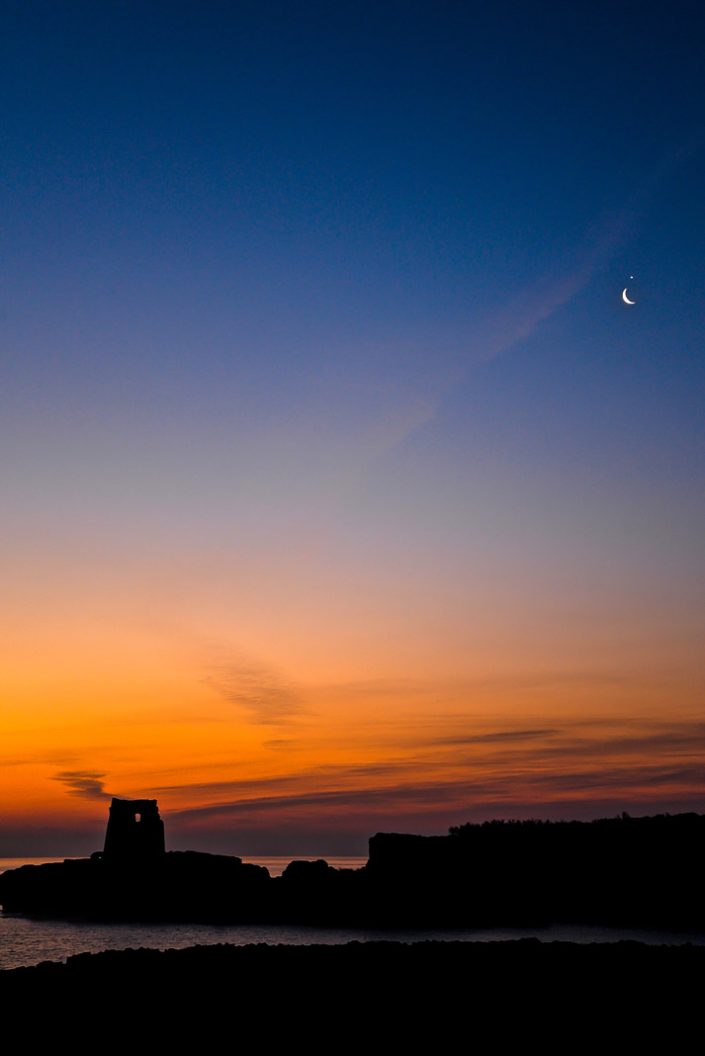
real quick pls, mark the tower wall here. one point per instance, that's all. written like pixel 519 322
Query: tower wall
pixel 135 829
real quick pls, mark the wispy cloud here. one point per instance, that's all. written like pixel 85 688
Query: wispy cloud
pixel 531 788
pixel 419 690
pixel 259 689
pixel 499 737
pixel 541 299
pixel 530 766
pixel 319 776
pixel 517 319
pixel 521 316
pixel 57 758
pixel 83 783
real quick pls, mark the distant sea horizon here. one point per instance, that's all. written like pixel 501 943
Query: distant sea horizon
pixel 275 863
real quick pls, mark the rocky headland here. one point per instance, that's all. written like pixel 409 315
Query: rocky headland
pixel 623 871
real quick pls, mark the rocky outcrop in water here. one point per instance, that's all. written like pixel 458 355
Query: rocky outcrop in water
pixel 641 872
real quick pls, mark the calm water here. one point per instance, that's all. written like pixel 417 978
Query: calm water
pixel 24 942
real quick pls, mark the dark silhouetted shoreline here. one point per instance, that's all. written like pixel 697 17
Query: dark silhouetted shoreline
pixel 373 994
pixel 621 872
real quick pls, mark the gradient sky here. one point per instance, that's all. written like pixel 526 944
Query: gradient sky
pixel 340 490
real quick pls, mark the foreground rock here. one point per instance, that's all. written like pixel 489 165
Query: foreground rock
pixel 374 996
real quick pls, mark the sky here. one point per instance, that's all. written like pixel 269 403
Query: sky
pixel 341 491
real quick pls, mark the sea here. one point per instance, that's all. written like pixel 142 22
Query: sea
pixel 25 941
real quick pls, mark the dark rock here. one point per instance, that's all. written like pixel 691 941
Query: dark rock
pixel 626 872
pixel 302 872
pixel 380 995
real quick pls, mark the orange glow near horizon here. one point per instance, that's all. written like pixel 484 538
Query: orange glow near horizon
pixel 230 744
pixel 300 684
pixel 341 491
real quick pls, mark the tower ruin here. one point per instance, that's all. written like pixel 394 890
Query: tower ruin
pixel 135 829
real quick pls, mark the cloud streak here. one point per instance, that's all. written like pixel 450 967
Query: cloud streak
pixel 542 299
pixel 448 796
pixel 518 319
pixel 499 737
pixel 259 690
pixel 530 766
pixel 83 783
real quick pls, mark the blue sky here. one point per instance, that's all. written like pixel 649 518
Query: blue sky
pixel 332 292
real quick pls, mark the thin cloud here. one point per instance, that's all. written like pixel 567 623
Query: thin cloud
pixel 54 757
pixel 532 766
pixel 259 690
pixel 420 688
pixel 691 778
pixel 518 319
pixel 321 775
pixel 541 300
pixel 84 783
pixel 500 737
pixel 686 740
pixel 532 787
pixel 523 315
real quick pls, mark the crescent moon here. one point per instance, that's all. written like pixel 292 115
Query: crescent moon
pixel 625 298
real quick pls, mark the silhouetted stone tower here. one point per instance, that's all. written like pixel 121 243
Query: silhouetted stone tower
pixel 135 829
